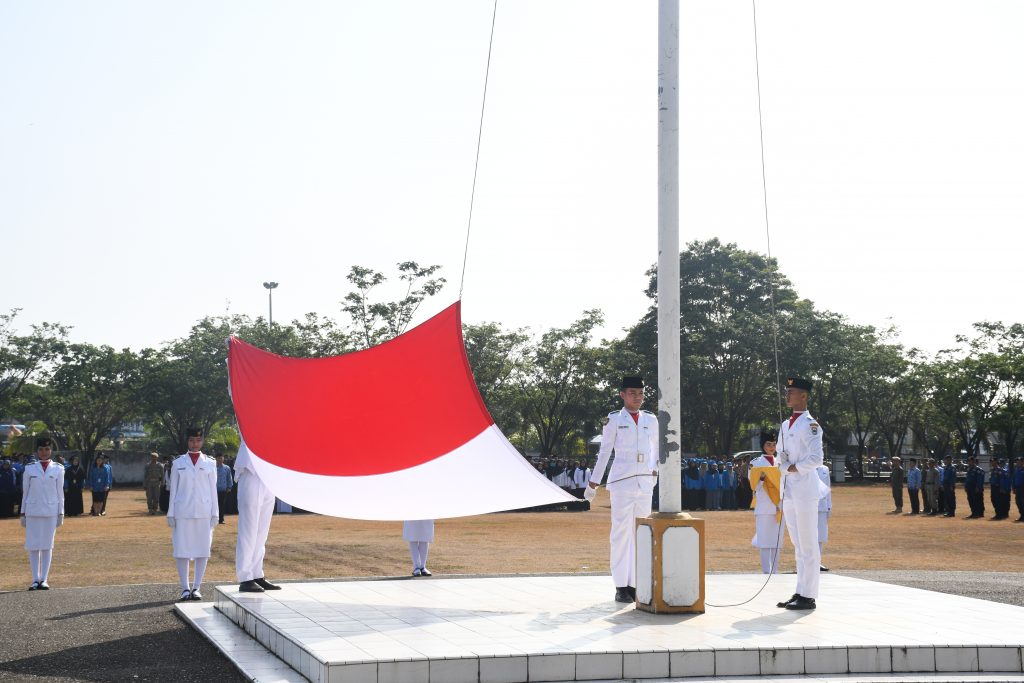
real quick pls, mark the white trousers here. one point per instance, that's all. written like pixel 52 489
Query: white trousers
pixel 418 550
pixel 801 517
pixel 255 510
pixel 769 560
pixel 626 507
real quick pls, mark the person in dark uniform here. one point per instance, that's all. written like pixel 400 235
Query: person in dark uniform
pixel 1000 483
pixel 1018 487
pixel 974 488
pixel 74 480
pixel 8 488
pixel 948 482
pixel 896 482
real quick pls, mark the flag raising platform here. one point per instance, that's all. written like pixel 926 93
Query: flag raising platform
pixel 566 628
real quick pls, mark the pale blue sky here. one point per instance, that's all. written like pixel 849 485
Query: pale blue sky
pixel 159 161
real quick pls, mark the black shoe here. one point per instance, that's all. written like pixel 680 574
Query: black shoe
pixel 822 568
pixel 43 586
pixel 622 595
pixel 186 595
pixel 195 595
pixel 266 585
pixel 220 522
pixel 425 572
pixel 34 586
pixel 249 586
pixel 784 603
pixel 632 592
pixel 801 603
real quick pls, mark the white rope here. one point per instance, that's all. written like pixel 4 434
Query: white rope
pixel 479 138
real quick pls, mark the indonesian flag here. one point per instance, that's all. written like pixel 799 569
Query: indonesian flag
pixel 398 431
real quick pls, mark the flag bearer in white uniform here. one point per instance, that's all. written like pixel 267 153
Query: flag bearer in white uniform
pixel 800 455
pixel 767 531
pixel 419 534
pixel 192 512
pixel 255 511
pixel 824 509
pixel 633 435
pixel 42 511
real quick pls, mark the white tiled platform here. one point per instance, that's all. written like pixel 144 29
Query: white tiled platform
pixel 566 628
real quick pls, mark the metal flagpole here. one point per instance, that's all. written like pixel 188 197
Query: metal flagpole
pixel 669 544
pixel 669 493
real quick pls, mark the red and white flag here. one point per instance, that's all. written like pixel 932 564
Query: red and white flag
pixel 398 431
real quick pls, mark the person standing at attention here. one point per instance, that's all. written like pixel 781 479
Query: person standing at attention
pixel 223 486
pixel 192 513
pixel 419 534
pixel 153 481
pixel 633 435
pixel 767 527
pixel 896 482
pixel 100 481
pixel 42 511
pixel 914 487
pixel 800 455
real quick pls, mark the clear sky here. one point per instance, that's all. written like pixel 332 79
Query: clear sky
pixel 160 160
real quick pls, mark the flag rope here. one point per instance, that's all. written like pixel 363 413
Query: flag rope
pixel 479 138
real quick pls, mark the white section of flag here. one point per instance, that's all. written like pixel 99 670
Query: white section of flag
pixel 486 474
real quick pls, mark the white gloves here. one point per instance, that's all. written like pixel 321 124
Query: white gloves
pixel 589 493
pixel 213 522
pixel 170 521
pixel 24 521
pixel 60 520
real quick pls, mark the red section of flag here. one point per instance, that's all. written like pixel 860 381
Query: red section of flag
pixel 388 408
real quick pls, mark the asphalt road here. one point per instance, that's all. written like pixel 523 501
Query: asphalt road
pixel 130 633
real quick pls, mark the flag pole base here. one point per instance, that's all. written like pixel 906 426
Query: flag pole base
pixel 670 563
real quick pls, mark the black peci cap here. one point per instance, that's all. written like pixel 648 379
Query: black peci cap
pixel 798 383
pixel 632 383
pixel 193 431
pixel 44 442
pixel 768 435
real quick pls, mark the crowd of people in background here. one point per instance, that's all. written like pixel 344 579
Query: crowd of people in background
pixel 931 487
pixel 98 478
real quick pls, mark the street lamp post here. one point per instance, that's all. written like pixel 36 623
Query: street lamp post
pixel 270 286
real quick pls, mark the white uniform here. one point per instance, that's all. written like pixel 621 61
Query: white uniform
pixel 255 512
pixel 767 532
pixel 824 506
pixel 800 445
pixel 418 533
pixel 630 483
pixel 42 503
pixel 193 506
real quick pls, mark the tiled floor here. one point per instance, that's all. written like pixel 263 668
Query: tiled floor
pixel 568 628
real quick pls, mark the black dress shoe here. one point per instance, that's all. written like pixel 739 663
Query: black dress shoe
pixel 786 602
pixel 632 591
pixel 266 585
pixel 801 603
pixel 622 595
pixel 34 586
pixel 195 595
pixel 822 568
pixel 425 572
pixel 43 586
pixel 249 587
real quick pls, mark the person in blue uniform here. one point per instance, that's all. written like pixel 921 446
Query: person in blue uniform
pixel 693 484
pixel 713 487
pixel 914 486
pixel 100 480
pixel 1000 483
pixel 974 488
pixel 1018 487
pixel 947 480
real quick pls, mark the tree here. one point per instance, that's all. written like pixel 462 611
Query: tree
pixel 375 322
pixel 561 385
pixel 497 359
pixel 92 390
pixel 898 393
pixel 187 383
pixel 24 356
pixel 727 351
